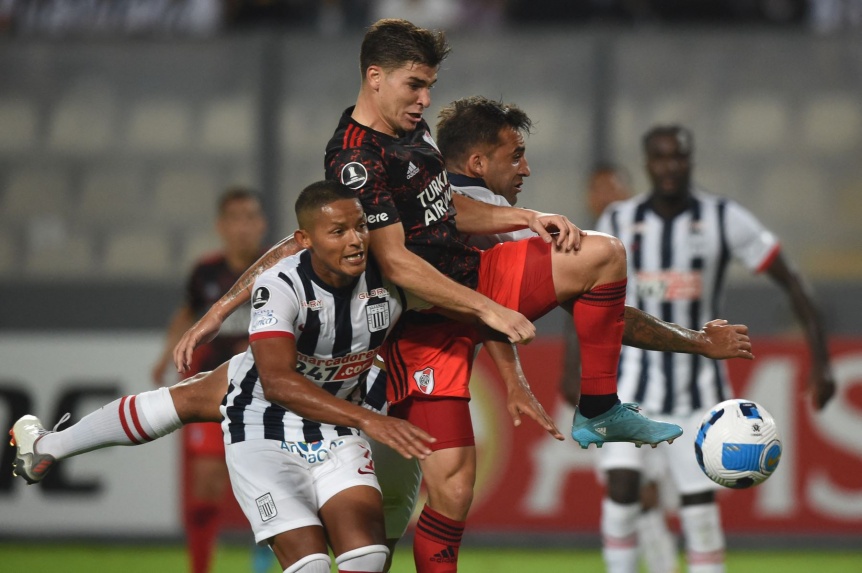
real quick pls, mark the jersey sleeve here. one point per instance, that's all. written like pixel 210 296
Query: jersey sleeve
pixel 365 172
pixel 748 240
pixel 275 308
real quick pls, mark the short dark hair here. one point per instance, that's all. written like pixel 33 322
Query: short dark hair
pixel 235 193
pixel 476 120
pixel 683 135
pixel 390 43
pixel 317 195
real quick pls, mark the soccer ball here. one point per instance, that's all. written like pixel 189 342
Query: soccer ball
pixel 737 444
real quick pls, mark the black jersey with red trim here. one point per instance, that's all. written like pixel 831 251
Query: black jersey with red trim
pixel 209 280
pixel 402 179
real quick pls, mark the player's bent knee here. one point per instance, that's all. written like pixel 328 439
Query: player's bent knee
pixel 314 563
pixel 368 558
pixel 610 249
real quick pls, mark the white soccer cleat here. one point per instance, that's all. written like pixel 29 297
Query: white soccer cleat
pixel 29 464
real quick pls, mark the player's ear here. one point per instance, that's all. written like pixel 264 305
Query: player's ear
pixel 302 238
pixel 373 76
pixel 476 165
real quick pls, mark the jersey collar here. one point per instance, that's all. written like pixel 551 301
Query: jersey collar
pixel 459 180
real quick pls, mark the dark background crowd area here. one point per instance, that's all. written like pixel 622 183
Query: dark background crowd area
pixel 331 17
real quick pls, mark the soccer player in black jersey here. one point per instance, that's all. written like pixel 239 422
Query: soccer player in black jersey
pixel 383 148
pixel 414 237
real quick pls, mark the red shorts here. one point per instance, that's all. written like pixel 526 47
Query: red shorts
pixel 518 275
pixel 203 439
pixel 448 420
pixel 433 357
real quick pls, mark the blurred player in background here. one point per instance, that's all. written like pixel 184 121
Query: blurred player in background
pixel 608 183
pixel 680 240
pixel 241 226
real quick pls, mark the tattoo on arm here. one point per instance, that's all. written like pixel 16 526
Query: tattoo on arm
pixel 645 331
pixel 282 249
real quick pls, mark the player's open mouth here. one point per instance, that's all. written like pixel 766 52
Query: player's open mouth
pixel 356 257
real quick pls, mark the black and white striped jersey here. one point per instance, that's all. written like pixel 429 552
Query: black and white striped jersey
pixel 676 271
pixel 337 333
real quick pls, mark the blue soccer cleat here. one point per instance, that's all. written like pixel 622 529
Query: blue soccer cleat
pixel 622 423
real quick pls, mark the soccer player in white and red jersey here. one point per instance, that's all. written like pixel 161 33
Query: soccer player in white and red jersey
pixel 681 239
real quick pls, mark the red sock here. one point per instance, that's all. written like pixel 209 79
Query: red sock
pixel 202 526
pixel 599 321
pixel 436 542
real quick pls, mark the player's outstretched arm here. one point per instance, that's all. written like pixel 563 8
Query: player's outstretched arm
pixel 416 275
pixel 207 327
pixel 480 218
pixel 717 340
pixel 275 359
pixel 520 399
pixel 822 380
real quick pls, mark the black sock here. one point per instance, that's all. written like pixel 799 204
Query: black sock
pixel 597 404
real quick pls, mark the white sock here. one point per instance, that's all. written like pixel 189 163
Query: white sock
pixel 314 563
pixel 370 558
pixel 656 542
pixel 619 536
pixel 129 421
pixel 704 538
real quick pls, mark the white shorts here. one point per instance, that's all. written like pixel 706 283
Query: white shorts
pixel 399 483
pixel 280 489
pixel 679 460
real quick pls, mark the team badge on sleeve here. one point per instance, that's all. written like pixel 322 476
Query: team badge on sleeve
pixel 378 316
pixel 354 175
pixel 260 297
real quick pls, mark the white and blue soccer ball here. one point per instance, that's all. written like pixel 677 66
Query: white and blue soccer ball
pixel 737 444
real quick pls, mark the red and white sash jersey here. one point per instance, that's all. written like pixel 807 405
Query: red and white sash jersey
pixel 402 179
pixel 676 271
pixel 337 333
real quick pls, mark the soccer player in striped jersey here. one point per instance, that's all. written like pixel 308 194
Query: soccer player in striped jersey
pixel 293 410
pixel 681 239
pixel 606 184
pixel 141 418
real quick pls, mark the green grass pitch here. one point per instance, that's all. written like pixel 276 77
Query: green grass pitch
pixel 87 558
